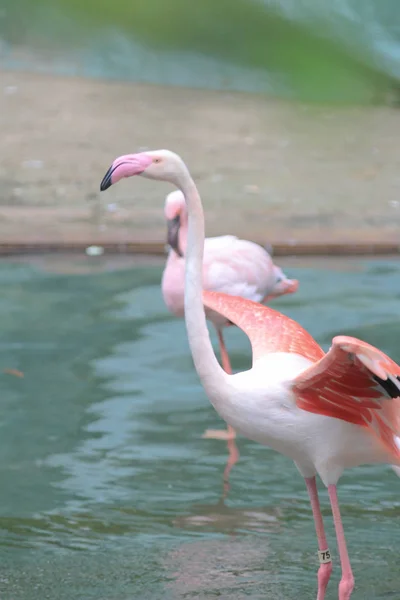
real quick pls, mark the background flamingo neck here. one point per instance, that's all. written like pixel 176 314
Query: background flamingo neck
pixel 183 232
pixel 212 376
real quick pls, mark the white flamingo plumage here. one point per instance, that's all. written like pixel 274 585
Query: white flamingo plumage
pixel 327 412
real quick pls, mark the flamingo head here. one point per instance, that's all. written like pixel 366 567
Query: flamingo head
pixel 175 214
pixel 162 165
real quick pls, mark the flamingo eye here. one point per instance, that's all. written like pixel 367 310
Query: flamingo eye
pixel 156 160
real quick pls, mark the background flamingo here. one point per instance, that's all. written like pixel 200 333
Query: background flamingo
pixel 230 265
pixel 327 412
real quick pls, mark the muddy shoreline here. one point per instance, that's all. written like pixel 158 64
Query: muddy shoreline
pixel 267 170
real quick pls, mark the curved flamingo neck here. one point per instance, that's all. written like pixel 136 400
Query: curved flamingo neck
pixel 212 376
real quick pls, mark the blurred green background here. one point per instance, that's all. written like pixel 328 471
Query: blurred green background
pixel 343 51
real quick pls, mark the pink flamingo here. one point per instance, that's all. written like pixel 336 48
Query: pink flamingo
pixel 327 412
pixel 230 265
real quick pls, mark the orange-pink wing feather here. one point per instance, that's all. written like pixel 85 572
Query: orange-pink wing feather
pixel 267 329
pixel 357 383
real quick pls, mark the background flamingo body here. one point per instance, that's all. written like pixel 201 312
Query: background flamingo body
pixel 231 265
pixel 295 399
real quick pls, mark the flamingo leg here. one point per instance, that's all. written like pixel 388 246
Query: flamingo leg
pixel 325 569
pixel 346 584
pixel 230 434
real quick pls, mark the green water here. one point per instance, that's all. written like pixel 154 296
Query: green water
pixel 108 490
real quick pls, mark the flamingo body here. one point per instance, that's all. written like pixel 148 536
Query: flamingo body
pixel 325 411
pixel 230 265
pixel 316 443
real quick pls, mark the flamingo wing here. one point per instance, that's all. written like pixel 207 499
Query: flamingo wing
pixel 267 329
pixel 357 383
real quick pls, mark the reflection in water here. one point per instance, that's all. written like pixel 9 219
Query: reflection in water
pixel 220 518
pixel 102 449
pixel 234 567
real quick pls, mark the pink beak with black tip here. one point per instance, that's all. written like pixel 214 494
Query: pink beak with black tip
pixel 125 166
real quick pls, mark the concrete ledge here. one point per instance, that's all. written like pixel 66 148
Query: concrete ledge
pixel 157 249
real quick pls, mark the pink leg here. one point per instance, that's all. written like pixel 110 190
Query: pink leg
pixel 230 434
pixel 231 444
pixel 346 584
pixel 325 568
